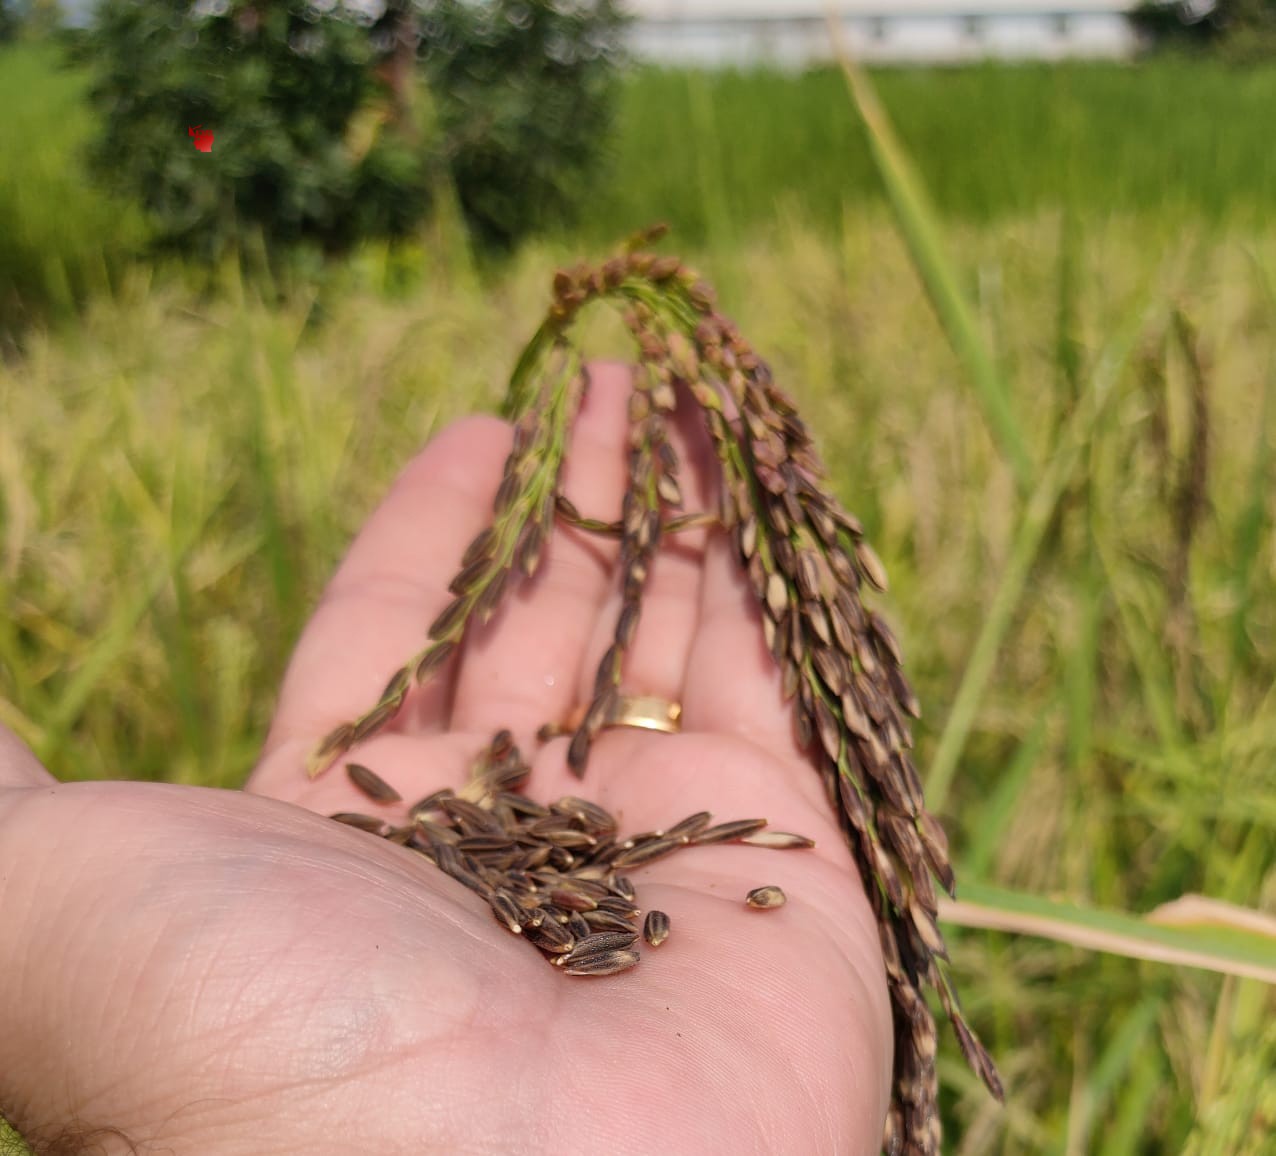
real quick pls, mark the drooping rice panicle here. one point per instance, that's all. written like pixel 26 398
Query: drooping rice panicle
pixel 652 485
pixel 545 393
pixel 807 563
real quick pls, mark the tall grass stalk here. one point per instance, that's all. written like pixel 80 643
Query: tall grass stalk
pixel 916 220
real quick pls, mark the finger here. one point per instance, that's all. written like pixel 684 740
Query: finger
pixel 392 583
pixel 414 765
pixel 524 667
pixel 700 643
pixel 731 691
pixel 736 757
pixel 656 661
pixel 18 766
pixel 733 682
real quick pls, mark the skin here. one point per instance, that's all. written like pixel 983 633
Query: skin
pixel 231 973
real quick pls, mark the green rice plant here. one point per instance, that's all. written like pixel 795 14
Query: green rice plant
pixel 1163 656
pixel 147 421
pixel 916 221
pixel 991 141
pixel 1080 784
pixel 60 241
pixel 11 1144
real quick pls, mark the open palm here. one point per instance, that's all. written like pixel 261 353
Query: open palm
pixel 222 972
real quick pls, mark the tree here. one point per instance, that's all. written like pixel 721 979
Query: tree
pixel 1241 30
pixel 279 85
pixel 320 132
pixel 524 91
pixel 28 17
pixel 10 21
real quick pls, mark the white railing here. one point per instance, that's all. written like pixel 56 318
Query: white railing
pixel 673 33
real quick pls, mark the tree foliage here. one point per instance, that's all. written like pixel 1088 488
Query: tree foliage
pixel 28 18
pixel 10 20
pixel 335 120
pixel 524 95
pixel 1241 30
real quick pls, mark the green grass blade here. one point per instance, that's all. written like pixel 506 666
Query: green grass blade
pixel 114 641
pixel 1249 952
pixel 1081 657
pixel 1135 1104
pixel 710 170
pixel 1126 1043
pixel 1252 524
pixel 1155 679
pixel 917 221
pixel 270 468
pixel 992 822
pixel 28 697
pixel 1067 340
pixel 11 1144
pixel 1032 527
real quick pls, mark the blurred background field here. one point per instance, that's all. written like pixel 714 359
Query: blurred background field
pixel 185 451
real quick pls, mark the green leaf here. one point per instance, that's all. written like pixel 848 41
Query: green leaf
pixel 1204 933
pixel 1054 481
pixel 918 222
pixel 11 1144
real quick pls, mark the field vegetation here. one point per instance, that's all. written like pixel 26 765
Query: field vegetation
pixel 1085 593
pixel 717 154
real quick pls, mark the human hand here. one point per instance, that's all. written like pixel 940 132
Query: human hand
pixel 222 972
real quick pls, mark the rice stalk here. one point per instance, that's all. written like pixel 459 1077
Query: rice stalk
pixel 808 564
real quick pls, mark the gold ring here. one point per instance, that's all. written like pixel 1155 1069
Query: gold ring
pixel 645 712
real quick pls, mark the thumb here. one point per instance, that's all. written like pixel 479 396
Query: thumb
pixel 18 766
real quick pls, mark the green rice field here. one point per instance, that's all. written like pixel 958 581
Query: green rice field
pixel 1048 388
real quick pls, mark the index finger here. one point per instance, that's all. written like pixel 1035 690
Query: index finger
pixel 374 611
pixel 395 580
pixel 18 766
